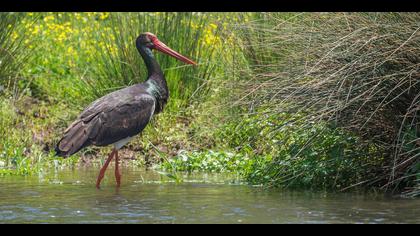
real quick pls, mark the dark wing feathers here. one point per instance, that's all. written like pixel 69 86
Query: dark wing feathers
pixel 74 139
pixel 116 116
pixel 123 121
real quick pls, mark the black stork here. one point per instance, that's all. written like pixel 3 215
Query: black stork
pixel 117 117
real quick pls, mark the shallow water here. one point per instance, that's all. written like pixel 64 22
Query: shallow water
pixel 69 196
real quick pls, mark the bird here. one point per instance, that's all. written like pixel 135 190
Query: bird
pixel 119 116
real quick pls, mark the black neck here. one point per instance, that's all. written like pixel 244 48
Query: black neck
pixel 155 80
pixel 153 67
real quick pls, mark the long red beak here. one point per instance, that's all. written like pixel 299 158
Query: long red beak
pixel 167 50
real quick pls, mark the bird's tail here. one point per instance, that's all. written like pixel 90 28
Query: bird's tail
pixel 75 138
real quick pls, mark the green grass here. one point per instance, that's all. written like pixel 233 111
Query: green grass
pixel 23 149
pixel 82 57
pixel 12 54
pixel 207 161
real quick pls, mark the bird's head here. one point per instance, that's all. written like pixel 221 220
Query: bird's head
pixel 151 41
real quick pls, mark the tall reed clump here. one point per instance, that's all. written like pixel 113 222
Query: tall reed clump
pixel 356 72
pixel 12 53
pixel 118 63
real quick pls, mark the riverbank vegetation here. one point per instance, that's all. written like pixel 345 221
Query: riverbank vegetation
pixel 298 100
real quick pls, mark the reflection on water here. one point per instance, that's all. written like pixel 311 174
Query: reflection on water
pixel 70 197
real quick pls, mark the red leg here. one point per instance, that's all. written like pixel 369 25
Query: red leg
pixel 117 171
pixel 103 169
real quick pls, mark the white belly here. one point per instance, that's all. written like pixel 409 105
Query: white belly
pixel 119 144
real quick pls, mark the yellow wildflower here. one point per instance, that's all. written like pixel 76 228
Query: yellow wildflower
pixel 78 16
pixel 194 26
pixel 35 30
pixel 49 18
pixel 14 35
pixel 104 15
pixel 70 50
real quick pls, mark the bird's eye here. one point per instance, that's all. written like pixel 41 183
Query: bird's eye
pixel 150 45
